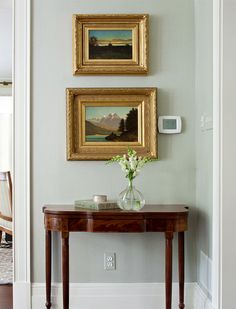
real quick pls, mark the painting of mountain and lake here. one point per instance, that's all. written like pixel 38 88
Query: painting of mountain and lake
pixel 110 44
pixel 111 124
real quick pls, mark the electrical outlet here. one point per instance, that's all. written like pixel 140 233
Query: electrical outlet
pixel 109 261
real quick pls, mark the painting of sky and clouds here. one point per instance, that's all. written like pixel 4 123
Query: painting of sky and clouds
pixel 110 44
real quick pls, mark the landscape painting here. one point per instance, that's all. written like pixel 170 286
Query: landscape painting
pixel 110 44
pixel 104 122
pixel 111 124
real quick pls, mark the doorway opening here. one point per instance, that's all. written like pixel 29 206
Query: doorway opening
pixel 6 157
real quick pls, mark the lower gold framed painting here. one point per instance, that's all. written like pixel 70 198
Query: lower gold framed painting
pixel 103 122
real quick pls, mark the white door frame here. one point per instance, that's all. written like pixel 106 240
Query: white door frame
pixel 21 154
pixel 21 177
pixel 217 153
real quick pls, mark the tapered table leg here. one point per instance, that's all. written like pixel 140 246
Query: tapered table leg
pixel 48 268
pixel 181 269
pixel 169 238
pixel 65 269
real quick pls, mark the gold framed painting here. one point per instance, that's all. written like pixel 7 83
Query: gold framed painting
pixel 103 122
pixel 110 44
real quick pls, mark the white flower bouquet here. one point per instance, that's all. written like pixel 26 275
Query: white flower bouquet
pixel 131 164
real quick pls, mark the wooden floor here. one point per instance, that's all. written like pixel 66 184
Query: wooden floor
pixel 6 299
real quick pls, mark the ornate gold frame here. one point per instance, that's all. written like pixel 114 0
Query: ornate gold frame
pixel 145 99
pixel 138 23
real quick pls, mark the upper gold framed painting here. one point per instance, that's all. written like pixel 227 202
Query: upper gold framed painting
pixel 110 44
pixel 103 122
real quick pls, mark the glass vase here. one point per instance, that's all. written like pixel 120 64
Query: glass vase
pixel 131 198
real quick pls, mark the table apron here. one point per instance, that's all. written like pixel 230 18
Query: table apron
pixel 62 224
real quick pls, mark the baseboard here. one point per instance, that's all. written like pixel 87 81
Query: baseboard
pixel 201 301
pixel 21 295
pixel 113 295
pixel 119 295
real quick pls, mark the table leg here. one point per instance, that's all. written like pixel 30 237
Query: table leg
pixel 181 269
pixel 169 238
pixel 65 269
pixel 48 268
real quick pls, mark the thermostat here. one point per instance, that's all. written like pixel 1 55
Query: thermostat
pixel 169 124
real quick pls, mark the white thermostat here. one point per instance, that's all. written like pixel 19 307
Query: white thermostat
pixel 169 124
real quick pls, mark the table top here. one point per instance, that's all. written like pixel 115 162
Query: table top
pixel 147 209
pixel 149 218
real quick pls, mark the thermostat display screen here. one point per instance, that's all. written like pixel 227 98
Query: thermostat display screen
pixel 169 124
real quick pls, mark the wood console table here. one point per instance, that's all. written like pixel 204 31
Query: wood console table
pixel 152 218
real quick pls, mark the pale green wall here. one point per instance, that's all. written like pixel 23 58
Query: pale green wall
pixel 204 138
pixel 140 258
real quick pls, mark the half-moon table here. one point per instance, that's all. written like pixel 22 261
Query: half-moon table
pixel 152 218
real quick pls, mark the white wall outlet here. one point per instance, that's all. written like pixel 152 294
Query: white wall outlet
pixel 109 261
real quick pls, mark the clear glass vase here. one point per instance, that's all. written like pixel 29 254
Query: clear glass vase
pixel 131 198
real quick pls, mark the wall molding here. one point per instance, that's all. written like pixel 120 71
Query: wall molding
pixel 21 154
pixel 22 295
pixel 217 152
pixel 201 301
pixel 119 295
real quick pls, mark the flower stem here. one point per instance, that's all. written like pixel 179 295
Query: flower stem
pixel 130 183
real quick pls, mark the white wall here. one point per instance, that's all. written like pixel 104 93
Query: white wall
pixel 204 137
pixel 5 40
pixel 140 258
pixel 5 45
pixel 5 133
pixel 5 91
pixel 228 147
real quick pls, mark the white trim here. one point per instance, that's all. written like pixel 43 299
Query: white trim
pixel 22 295
pixel 217 152
pixel 201 301
pixel 115 296
pixel 120 295
pixel 21 154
